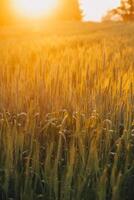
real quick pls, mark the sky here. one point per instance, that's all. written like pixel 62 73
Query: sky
pixel 94 10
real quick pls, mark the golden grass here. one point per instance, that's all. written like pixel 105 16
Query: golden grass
pixel 66 112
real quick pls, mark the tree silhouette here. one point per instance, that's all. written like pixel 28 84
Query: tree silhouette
pixel 125 10
pixel 69 10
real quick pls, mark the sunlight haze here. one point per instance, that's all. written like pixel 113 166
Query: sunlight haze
pixel 34 8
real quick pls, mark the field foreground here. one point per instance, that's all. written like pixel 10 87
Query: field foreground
pixel 67 112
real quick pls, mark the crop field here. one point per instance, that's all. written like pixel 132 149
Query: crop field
pixel 67 112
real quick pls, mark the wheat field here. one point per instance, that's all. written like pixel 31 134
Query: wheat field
pixel 67 112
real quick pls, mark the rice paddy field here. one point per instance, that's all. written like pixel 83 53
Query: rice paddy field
pixel 67 112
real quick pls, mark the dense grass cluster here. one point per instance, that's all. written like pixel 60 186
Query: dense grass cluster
pixel 67 112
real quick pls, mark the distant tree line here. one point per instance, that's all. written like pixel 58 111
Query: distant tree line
pixel 125 11
pixel 70 10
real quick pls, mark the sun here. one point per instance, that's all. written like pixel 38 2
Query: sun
pixel 34 8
